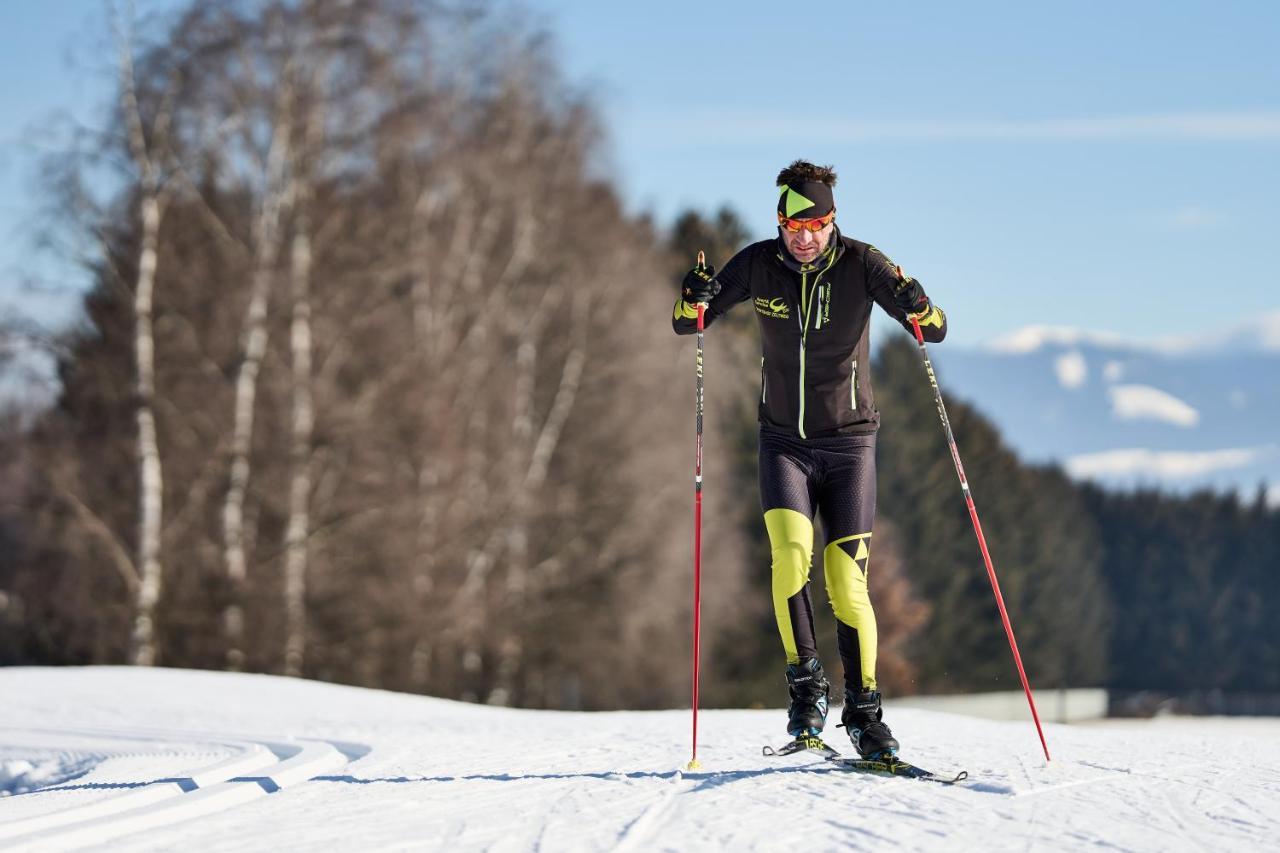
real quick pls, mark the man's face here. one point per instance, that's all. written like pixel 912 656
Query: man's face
pixel 805 245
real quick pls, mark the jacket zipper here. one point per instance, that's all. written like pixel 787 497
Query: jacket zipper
pixel 763 387
pixel 806 305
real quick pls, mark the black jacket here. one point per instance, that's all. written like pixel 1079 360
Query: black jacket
pixel 814 320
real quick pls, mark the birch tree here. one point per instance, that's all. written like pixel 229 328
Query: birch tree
pixel 302 405
pixel 148 157
pixel 267 241
pixel 409 439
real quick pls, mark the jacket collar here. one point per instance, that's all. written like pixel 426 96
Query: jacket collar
pixel 835 248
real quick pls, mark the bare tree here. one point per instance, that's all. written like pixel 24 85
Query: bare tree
pixel 406 422
pixel 302 404
pixel 148 157
pixel 272 208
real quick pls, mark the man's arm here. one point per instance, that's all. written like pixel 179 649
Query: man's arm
pixel 734 287
pixel 894 292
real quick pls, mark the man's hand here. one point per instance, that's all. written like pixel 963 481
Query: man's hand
pixel 909 295
pixel 700 284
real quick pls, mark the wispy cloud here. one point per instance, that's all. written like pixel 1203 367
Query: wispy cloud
pixel 1142 402
pixel 1162 465
pixel 1207 126
pixel 1190 219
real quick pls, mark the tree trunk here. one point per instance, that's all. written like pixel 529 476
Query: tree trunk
pixel 254 335
pixel 427 340
pixel 297 534
pixel 295 574
pixel 150 570
pixel 150 475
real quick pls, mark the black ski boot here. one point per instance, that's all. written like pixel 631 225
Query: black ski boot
pixel 809 689
pixel 862 719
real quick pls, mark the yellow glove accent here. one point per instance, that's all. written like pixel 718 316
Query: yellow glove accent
pixel 685 311
pixel 932 317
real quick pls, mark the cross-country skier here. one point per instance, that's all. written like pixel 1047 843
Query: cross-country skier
pixel 812 289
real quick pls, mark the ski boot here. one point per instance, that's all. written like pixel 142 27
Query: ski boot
pixel 809 689
pixel 863 720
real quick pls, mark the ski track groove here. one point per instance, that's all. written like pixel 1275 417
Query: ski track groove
pixel 1170 819
pixel 635 835
pixel 253 770
pixel 72 765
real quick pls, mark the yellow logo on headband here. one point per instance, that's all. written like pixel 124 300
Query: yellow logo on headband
pixel 796 202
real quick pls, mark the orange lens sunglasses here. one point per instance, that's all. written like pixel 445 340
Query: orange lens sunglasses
pixel 814 225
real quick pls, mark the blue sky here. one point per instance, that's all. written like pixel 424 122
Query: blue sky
pixel 1110 166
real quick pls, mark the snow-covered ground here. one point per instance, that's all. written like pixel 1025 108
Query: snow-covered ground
pixel 171 759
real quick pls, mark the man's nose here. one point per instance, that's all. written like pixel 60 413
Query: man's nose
pixel 806 237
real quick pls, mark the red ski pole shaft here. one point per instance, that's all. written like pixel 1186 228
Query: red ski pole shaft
pixel 697 536
pixel 977 529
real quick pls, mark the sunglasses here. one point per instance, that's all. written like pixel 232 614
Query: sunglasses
pixel 814 225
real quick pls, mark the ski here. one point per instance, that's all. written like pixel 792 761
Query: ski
pixel 803 743
pixel 884 766
pixel 894 766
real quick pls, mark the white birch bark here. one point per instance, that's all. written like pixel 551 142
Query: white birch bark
pixel 150 569
pixel 297 534
pixel 303 420
pixel 255 338
pixel 150 471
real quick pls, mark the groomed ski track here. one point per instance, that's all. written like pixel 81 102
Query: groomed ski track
pixel 111 758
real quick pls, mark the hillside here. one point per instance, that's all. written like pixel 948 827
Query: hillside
pixel 91 755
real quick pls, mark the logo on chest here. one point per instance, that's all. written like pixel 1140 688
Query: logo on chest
pixel 776 308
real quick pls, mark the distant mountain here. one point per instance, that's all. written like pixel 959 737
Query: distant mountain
pixel 1178 413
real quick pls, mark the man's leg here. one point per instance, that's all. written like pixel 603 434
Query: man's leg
pixel 845 567
pixel 787 500
pixel 847 501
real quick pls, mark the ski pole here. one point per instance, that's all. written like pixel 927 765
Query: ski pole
pixel 697 537
pixel 977 528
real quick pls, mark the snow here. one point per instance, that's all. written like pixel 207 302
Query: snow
pixel 153 760
pixel 1260 332
pixel 1162 464
pixel 1135 402
pixel 1034 338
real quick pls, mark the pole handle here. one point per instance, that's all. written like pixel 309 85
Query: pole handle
pixel 697 538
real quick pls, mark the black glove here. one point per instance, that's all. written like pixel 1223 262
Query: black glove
pixel 699 284
pixel 909 295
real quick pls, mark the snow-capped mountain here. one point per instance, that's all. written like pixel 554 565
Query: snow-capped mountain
pixel 1179 413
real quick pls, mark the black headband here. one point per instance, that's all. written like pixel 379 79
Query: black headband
pixel 805 200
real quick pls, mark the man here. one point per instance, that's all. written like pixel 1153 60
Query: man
pixel 812 289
